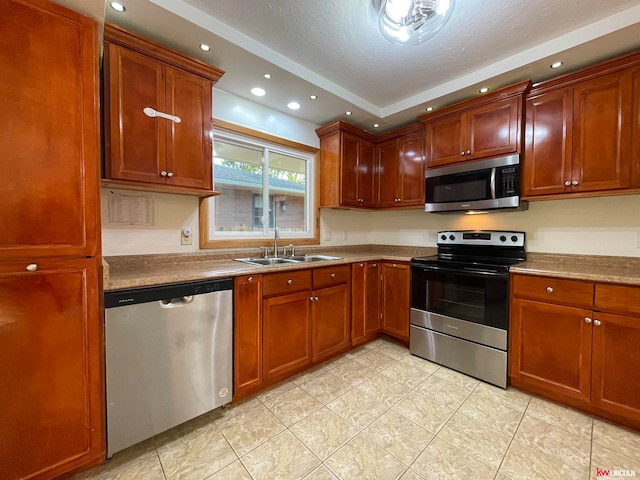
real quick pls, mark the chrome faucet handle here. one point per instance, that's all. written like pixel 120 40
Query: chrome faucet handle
pixel 292 248
pixel 265 251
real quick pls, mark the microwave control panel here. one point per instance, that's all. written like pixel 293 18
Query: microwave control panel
pixel 509 181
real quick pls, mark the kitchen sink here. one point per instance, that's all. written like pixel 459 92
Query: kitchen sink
pixel 284 260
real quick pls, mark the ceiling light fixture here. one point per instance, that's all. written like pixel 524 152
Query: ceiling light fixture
pixel 204 47
pixel 258 92
pixel 556 64
pixel 293 105
pixel 484 90
pixel 267 76
pixel 118 7
pixel 313 97
pixel 347 113
pixel 376 125
pixel 409 22
pixel 429 109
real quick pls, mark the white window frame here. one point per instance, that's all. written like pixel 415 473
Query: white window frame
pixel 267 147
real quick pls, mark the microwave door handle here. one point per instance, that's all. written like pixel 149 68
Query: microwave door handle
pixel 493 183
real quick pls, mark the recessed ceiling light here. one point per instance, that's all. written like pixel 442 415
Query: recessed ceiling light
pixel 258 92
pixel 556 64
pixel 484 90
pixel 117 6
pixel 376 125
pixel 205 47
pixel 293 105
pixel 347 113
pixel 313 97
pixel 429 109
pixel 267 76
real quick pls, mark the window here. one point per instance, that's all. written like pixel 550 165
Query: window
pixel 262 186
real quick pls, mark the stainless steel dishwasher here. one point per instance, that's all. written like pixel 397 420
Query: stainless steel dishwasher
pixel 169 357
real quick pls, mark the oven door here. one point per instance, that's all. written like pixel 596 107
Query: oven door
pixel 477 296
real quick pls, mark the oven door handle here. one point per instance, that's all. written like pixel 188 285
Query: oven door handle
pixel 469 272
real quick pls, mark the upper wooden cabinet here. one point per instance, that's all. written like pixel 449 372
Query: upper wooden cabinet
pixel 346 166
pixel 49 147
pixel 481 127
pixel 170 149
pixel 400 168
pixel 579 132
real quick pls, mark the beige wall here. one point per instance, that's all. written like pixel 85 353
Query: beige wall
pixel 593 226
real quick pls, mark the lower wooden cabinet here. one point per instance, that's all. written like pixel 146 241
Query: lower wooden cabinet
pixel 51 350
pixel 331 314
pixel 286 333
pixel 585 357
pixel 247 334
pixel 396 301
pixel 365 299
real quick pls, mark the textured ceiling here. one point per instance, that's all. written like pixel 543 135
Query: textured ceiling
pixel 333 48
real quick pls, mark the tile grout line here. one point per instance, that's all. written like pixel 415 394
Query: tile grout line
pixel 513 437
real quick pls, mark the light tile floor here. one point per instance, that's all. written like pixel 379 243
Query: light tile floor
pixel 378 412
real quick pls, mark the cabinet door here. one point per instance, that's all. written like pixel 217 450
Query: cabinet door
pixel 615 384
pixel 395 300
pixel 51 400
pixel 366 154
pixel 412 166
pixel 602 133
pixel 365 298
pixel 372 312
pixel 286 333
pixel 49 142
pixel 548 144
pixel 189 149
pixel 445 141
pixel 635 132
pixel 134 142
pixel 494 129
pixel 331 321
pixel 550 348
pixel 389 174
pixel 247 334
pixel 349 179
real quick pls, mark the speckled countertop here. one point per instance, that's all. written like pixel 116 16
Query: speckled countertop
pixel 122 272
pixel 142 270
pixel 625 270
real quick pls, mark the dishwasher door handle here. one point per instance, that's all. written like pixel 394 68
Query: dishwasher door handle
pixel 176 302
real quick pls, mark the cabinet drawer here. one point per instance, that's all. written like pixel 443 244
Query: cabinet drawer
pixel 331 275
pixel 618 299
pixel 286 282
pixel 554 290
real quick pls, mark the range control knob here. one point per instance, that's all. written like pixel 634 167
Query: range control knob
pixel 503 238
pixel 514 238
pixel 451 237
pixel 443 237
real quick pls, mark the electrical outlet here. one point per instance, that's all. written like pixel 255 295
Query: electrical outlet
pixel 327 236
pixel 186 236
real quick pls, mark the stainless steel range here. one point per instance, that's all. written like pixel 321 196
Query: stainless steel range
pixel 460 302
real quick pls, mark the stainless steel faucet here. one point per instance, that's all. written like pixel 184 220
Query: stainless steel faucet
pixel 276 236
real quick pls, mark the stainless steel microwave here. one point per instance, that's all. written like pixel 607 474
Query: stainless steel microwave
pixel 475 186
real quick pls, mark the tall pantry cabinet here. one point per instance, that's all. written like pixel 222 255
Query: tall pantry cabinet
pixel 51 398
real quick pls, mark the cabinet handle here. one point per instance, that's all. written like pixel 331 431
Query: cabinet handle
pixel 163 173
pixel 597 323
pixel 575 182
pixel 315 299
pixel 375 264
pixel 32 267
pixel 333 275
pixel 468 152
pixel 250 279
pixel 361 265
pixel 549 289
pixel 150 112
pixel 395 265
pixel 311 298
pixel 170 174
pixel 462 153
pixel 587 320
pixel 290 282
pixel 567 183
